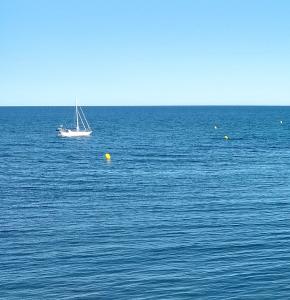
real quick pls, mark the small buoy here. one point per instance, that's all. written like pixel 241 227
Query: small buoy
pixel 226 137
pixel 108 156
pixel 281 122
pixel 215 127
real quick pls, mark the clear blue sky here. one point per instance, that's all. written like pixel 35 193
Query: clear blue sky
pixel 144 52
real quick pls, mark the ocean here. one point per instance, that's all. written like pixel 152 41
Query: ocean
pixel 178 213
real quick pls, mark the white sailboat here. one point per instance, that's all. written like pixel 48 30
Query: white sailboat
pixel 82 126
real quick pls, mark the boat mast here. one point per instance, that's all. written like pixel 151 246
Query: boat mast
pixel 77 115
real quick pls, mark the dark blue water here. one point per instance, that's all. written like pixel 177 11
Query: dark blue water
pixel 178 213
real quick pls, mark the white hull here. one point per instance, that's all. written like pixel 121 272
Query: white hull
pixel 73 133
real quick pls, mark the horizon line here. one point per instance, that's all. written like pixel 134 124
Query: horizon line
pixel 159 105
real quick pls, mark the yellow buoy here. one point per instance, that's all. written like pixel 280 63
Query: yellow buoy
pixel 226 137
pixel 108 156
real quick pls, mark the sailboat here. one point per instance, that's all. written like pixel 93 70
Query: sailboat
pixel 82 126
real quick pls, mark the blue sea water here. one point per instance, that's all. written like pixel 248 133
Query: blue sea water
pixel 178 212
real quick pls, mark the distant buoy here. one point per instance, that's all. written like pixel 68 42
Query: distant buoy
pixel 108 156
pixel 226 137
pixel 215 127
pixel 281 122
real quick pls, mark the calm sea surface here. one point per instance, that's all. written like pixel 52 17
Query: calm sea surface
pixel 178 213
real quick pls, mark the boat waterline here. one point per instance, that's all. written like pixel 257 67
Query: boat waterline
pixel 73 133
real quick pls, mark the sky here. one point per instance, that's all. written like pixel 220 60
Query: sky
pixel 144 52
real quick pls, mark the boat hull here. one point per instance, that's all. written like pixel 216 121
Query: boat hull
pixel 74 133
